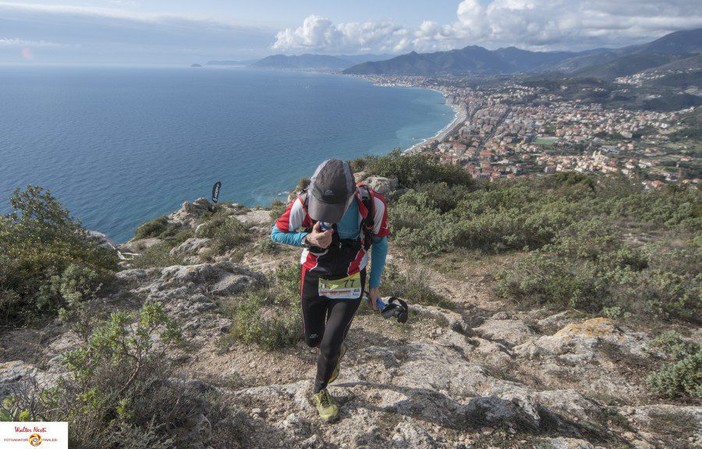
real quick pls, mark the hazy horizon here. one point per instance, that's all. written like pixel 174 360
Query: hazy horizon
pixel 181 32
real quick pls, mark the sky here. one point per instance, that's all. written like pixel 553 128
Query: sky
pixel 197 31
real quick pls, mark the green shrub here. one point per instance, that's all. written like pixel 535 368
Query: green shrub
pixel 39 241
pixel 158 255
pixel 270 317
pixel 78 286
pixel 226 233
pixel 120 391
pixel 673 346
pixel 683 378
pixel 411 285
pixel 153 228
pixel 267 246
pixel 415 169
pixel 543 279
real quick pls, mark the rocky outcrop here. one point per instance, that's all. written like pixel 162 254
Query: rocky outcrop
pixel 191 247
pixel 189 293
pixel 190 213
pixel 384 186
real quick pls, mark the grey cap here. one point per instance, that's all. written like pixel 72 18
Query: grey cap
pixel 330 189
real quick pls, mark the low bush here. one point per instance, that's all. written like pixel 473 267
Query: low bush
pixel 673 346
pixel 42 248
pixel 413 170
pixel 589 266
pixel 679 379
pixel 158 255
pixel 226 233
pixel 277 209
pixel 153 228
pixel 270 317
pixel 120 391
pixel 411 285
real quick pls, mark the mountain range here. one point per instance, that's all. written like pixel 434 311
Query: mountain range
pixel 680 47
pixel 681 50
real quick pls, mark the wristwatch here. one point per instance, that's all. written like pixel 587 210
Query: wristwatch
pixel 305 243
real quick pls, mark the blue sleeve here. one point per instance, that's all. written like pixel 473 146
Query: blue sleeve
pixel 288 238
pixel 379 251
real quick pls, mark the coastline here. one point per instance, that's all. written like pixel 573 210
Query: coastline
pixel 460 118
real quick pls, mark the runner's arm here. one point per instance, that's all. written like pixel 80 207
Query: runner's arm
pixel 379 251
pixel 288 238
pixel 285 228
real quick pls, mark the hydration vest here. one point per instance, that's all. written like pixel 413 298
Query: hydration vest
pixel 367 223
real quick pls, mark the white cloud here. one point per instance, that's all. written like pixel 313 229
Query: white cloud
pixel 20 43
pixel 531 24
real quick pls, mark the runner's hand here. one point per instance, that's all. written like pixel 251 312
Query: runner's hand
pixel 374 295
pixel 319 238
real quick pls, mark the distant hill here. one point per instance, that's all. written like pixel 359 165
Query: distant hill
pixel 629 65
pixel 302 62
pixel 688 41
pixel 310 61
pixel 472 59
pixel 693 62
pixel 231 63
pixel 600 63
pixel 683 46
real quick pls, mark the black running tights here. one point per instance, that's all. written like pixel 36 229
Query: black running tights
pixel 326 323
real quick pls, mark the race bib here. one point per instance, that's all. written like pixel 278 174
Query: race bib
pixel 344 288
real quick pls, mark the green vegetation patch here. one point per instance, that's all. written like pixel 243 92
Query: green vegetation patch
pixel 596 243
pixel 158 255
pixel 682 376
pixel 413 286
pixel 412 170
pixel 269 317
pixel 41 249
pixel 121 392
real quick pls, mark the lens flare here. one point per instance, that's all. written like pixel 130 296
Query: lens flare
pixel 27 54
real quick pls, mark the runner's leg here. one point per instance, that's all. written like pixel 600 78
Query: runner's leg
pixel 340 313
pixel 314 309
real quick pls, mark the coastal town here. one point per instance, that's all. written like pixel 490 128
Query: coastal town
pixel 514 129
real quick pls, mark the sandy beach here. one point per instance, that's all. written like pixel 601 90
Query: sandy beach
pixel 458 120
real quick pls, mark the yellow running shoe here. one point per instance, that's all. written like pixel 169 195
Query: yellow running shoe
pixel 337 368
pixel 327 408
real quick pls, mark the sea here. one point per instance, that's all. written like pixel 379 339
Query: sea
pixel 119 146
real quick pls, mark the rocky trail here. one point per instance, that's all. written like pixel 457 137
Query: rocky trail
pixel 478 375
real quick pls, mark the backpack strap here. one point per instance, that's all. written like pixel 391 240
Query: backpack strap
pixel 368 222
pixel 305 202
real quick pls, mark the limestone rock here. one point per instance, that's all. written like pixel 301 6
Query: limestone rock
pixel 513 332
pixel 190 247
pixel 564 443
pixel 384 186
pixel 578 342
pixel 412 435
pixel 16 371
pixel 189 213
pixel 258 217
pixel 138 246
pixel 221 278
pixel 101 239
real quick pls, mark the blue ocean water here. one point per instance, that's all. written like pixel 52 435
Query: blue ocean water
pixel 120 146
